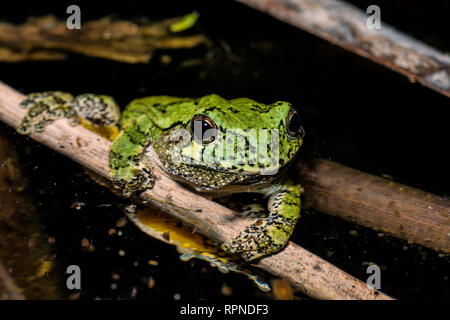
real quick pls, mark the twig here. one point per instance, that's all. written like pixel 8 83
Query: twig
pixel 8 289
pixel 378 203
pixel 304 270
pixel 47 38
pixel 345 25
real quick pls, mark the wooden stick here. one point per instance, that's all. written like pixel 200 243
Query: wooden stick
pixel 377 203
pixel 346 26
pixel 8 288
pixel 374 202
pixel 304 270
pixel 47 38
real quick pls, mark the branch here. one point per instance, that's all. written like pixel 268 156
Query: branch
pixel 47 38
pixel 8 288
pixel 304 270
pixel 344 25
pixel 378 203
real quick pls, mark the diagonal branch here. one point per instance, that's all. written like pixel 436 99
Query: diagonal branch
pixel 8 288
pixel 378 203
pixel 345 25
pixel 304 270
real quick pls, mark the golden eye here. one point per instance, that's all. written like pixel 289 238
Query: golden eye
pixel 294 127
pixel 203 128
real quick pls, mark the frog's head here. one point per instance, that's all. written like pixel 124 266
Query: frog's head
pixel 229 142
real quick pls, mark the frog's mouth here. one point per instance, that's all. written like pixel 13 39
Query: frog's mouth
pixel 216 179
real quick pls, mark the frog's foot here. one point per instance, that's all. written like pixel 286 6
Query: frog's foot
pixel 46 107
pixel 260 239
pixel 269 234
pixel 131 180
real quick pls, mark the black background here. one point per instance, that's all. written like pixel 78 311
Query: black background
pixel 355 112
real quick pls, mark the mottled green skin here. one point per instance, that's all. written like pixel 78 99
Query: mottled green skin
pixel 46 107
pixel 158 120
pixel 154 120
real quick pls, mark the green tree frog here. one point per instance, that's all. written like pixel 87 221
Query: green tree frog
pixel 214 145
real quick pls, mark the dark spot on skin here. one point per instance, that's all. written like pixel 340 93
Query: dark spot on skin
pixel 317 267
pixel 198 210
pixel 166 236
pixel 210 109
pixel 171 103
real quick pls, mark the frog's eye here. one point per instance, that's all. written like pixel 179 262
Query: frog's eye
pixel 294 127
pixel 203 128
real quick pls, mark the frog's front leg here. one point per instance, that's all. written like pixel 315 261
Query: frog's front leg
pixel 127 171
pixel 270 234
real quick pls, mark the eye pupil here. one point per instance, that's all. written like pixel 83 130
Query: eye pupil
pixel 200 134
pixel 200 125
pixel 293 124
pixel 206 125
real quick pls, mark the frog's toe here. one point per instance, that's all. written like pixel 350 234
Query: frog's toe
pixel 24 129
pixel 128 191
pixel 44 108
pixel 141 181
pixel 147 178
pixel 127 188
pixel 248 251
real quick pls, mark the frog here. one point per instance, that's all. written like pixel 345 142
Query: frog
pixel 210 144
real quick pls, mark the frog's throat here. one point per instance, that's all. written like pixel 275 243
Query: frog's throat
pixel 219 190
pixel 219 182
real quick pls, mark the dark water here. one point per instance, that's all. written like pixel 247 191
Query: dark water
pixel 355 112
